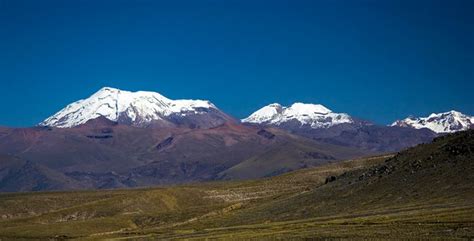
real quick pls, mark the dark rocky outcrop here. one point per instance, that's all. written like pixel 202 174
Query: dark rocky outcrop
pixel 100 136
pixel 317 155
pixel 166 142
pixel 266 134
pixel 330 179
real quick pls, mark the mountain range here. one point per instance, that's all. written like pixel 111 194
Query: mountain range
pixel 117 138
pixel 151 109
pixel 316 116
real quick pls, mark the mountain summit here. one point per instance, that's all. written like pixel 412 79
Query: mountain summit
pixel 446 122
pixel 141 108
pixel 311 115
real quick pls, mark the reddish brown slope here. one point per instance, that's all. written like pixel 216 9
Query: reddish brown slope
pixel 104 154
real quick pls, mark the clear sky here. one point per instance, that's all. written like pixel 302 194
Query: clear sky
pixel 378 60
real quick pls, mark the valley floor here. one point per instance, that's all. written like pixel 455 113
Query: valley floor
pixel 290 206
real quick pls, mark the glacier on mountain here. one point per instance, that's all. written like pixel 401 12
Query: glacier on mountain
pixel 312 115
pixel 138 108
pixel 446 122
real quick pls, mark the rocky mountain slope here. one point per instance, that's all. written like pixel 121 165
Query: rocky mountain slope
pixel 104 154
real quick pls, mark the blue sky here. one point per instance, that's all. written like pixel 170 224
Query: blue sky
pixel 378 60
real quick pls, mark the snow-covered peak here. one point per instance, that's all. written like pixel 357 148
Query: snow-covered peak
pixel 265 114
pixel 313 115
pixel 307 109
pixel 446 122
pixel 137 108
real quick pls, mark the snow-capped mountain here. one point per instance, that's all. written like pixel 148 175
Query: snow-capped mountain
pixel 141 108
pixel 446 122
pixel 311 115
